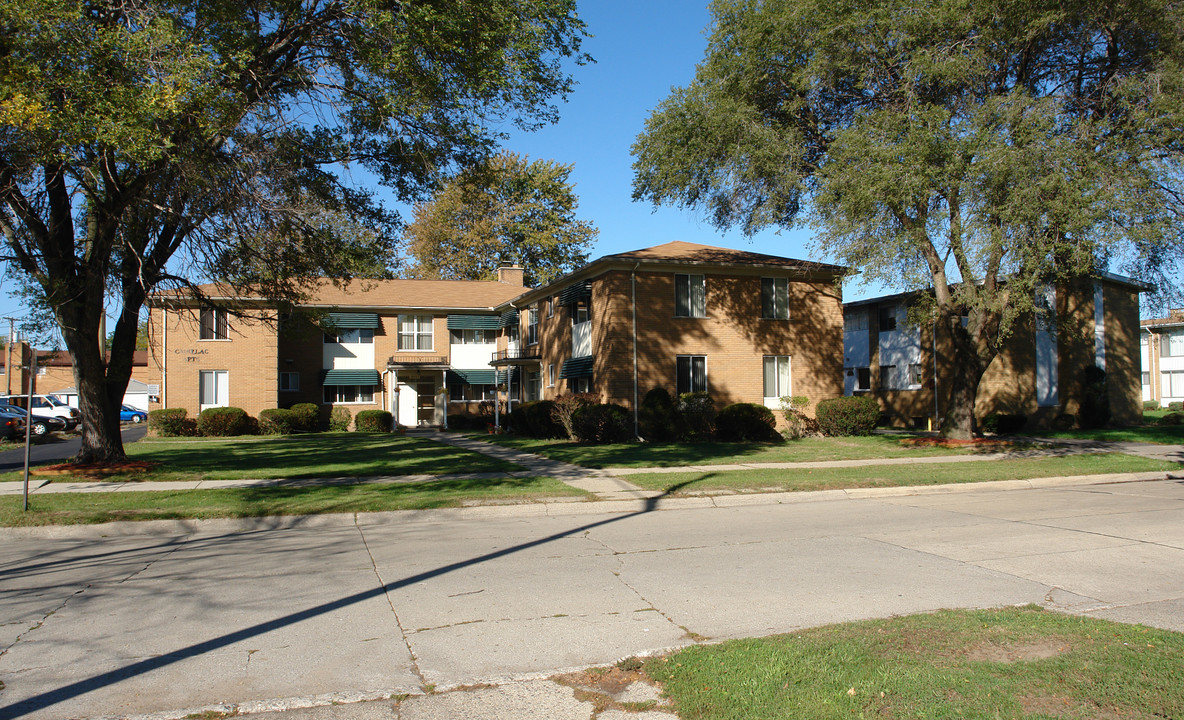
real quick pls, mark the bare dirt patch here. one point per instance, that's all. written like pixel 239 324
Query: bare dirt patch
pixel 1038 650
pixel 95 471
pixel 615 688
pixel 986 443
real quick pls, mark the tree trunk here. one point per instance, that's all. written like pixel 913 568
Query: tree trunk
pixel 968 361
pixel 98 402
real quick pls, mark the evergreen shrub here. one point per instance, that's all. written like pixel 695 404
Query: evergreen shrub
pixel 277 421
pixel 847 415
pixel 339 419
pixel 603 423
pixel 225 422
pixel 375 421
pixel 746 422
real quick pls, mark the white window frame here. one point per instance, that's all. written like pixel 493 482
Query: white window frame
pixel 1166 344
pixel 691 360
pixel 358 391
pixel 416 334
pixel 532 325
pixel 779 289
pixel 779 392
pixel 351 336
pixel 201 384
pixel 550 375
pixel 696 295
pixel 580 384
pixel 472 337
pixel 218 325
pixel 1169 381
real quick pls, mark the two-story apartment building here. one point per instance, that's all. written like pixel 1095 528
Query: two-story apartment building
pixel 1038 371
pixel 1161 352
pixel 742 326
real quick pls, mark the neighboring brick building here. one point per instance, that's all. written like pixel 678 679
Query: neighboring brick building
pixel 55 375
pixel 740 325
pixel 1038 373
pixel 1161 353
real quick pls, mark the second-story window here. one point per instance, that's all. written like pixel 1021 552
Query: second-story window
pixel 473 337
pixel 775 298
pixel 690 296
pixel 415 332
pixel 351 336
pixel 214 325
pixel 581 312
pixel 532 325
pixel 887 318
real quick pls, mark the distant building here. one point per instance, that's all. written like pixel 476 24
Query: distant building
pixel 1161 351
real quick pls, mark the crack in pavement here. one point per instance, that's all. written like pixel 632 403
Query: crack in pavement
pixel 415 669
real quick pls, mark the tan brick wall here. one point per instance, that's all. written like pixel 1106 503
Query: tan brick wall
pixel 1123 365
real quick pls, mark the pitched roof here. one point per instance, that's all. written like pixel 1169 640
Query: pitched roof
pixel 685 252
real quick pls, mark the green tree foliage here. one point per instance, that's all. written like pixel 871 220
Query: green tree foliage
pixel 951 144
pixel 507 210
pixel 148 145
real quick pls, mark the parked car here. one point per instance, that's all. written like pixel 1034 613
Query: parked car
pixel 46 405
pixel 40 425
pixel 11 428
pixel 127 413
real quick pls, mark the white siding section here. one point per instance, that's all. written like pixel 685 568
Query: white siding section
pixel 856 352
pixel 1047 380
pixel 350 356
pixel 1099 327
pixel 581 339
pixel 472 356
pixel 900 348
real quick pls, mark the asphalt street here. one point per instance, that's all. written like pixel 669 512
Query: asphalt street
pixel 57 450
pixel 174 617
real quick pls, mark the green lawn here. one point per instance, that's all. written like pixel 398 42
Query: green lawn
pixel 720 453
pixel 302 456
pixel 1151 433
pixel 83 508
pixel 992 664
pixel 684 483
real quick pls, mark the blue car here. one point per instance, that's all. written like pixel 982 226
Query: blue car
pixel 127 413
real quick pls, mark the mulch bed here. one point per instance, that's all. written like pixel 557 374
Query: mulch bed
pixel 952 443
pixel 96 471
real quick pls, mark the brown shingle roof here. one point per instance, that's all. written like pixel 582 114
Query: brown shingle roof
pixel 679 251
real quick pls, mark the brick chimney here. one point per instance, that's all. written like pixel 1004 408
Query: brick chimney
pixel 510 274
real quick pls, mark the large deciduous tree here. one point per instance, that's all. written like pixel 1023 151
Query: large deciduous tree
pixel 980 148
pixel 147 145
pixel 510 209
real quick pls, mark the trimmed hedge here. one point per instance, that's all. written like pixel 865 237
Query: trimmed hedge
pixel 657 417
pixel 696 413
pixel 536 419
pixel 741 422
pixel 1004 424
pixel 1150 405
pixel 375 421
pixel 170 422
pixel 339 418
pixel 226 422
pixel 1172 418
pixel 1176 406
pixel 603 423
pixel 277 421
pixel 306 417
pixel 847 415
pixel 459 421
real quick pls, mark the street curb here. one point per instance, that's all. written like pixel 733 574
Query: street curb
pixel 560 508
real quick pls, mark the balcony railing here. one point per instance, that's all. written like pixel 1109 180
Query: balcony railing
pixel 531 352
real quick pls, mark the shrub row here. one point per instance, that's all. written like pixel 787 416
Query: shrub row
pixel 1004 424
pixel 853 415
pixel 232 421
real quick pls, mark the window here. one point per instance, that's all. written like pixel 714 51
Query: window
pixel 855 320
pixel 916 376
pixel 1146 378
pixel 214 388
pixel 887 318
pixel 415 332
pixel 289 381
pixel 532 325
pixel 474 337
pixel 214 325
pixel 533 381
pixel 352 336
pixel 512 334
pixel 463 393
pixel 581 312
pixel 690 296
pixel 863 379
pixel 775 299
pixel 550 374
pixel 777 379
pixel 1171 344
pixel 690 373
pixel 580 384
pixel 363 394
pixel 886 376
pixel 1172 384
pixel 551 306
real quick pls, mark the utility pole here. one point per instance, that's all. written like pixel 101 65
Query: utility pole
pixel 8 351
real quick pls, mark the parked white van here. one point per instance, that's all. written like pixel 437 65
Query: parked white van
pixel 46 405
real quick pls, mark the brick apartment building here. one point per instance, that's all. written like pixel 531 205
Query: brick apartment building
pixel 739 325
pixel 1161 353
pixel 1038 373
pixel 54 375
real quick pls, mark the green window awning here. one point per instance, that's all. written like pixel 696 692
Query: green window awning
pixel 484 376
pixel 509 318
pixel 576 367
pixel 473 322
pixel 352 377
pixel 572 294
pixel 514 374
pixel 351 321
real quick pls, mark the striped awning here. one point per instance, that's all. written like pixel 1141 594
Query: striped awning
pixel 572 294
pixel 508 318
pixel 576 367
pixel 351 377
pixel 514 374
pixel 473 322
pixel 484 376
pixel 350 321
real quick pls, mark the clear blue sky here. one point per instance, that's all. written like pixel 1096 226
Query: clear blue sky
pixel 642 49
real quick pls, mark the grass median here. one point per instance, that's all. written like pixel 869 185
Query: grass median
pixel 723 453
pixel 1009 663
pixel 320 455
pixel 100 507
pixel 768 480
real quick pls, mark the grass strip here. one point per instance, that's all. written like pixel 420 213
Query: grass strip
pixel 300 456
pixel 1157 434
pixel 721 453
pixel 100 507
pixel 687 483
pixel 1007 663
